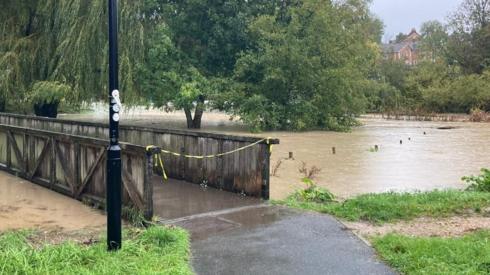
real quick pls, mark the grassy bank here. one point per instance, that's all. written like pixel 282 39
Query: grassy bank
pixel 409 255
pixel 391 207
pixel 155 250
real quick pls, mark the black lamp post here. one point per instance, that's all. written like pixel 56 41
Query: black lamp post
pixel 113 191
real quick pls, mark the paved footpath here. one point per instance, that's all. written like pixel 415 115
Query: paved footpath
pixel 276 240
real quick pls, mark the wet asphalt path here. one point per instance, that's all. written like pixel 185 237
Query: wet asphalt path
pixel 277 240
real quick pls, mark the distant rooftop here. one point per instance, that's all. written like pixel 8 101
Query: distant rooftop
pixel 411 41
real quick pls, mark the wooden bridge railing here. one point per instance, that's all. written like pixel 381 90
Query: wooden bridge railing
pixel 246 171
pixel 74 165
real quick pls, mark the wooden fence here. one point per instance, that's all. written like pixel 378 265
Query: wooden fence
pixel 74 165
pixel 246 171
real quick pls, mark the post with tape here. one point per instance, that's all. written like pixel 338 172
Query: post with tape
pixel 266 155
pixel 114 188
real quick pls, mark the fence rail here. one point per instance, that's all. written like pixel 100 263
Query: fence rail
pixel 74 165
pixel 246 171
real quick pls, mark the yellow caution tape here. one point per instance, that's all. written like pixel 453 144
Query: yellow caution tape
pixel 270 145
pixel 159 162
pixel 157 159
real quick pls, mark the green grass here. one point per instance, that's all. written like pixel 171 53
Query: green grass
pixel 392 207
pixel 156 250
pixel 409 255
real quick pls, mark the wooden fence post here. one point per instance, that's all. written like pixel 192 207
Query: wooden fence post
pixel 9 154
pixel 52 168
pixel 148 187
pixel 266 172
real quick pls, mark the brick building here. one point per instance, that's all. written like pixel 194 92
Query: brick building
pixel 406 50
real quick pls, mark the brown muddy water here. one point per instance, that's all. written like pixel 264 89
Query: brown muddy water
pixel 434 160
pixel 24 205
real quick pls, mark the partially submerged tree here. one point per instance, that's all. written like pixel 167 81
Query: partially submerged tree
pixel 307 68
pixel 170 81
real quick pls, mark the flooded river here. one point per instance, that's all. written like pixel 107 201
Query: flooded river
pixel 25 205
pixel 436 159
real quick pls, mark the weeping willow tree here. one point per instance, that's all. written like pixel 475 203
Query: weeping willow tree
pixel 66 41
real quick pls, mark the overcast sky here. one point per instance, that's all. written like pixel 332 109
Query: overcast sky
pixel 403 15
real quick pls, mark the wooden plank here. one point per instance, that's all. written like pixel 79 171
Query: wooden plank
pixel 219 167
pixel 68 173
pixel 32 152
pixel 39 160
pixel 77 165
pixel 18 154
pixel 9 154
pixel 90 172
pixel 52 166
pixel 132 190
pixel 25 153
pixel 148 187
pixel 266 172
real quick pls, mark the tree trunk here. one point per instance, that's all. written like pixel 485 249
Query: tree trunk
pixel 188 116
pixel 196 122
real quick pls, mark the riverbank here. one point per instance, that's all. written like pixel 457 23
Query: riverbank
pixel 448 117
pixel 438 232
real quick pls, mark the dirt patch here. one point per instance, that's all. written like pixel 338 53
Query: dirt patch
pixel 424 227
pixel 24 205
pixel 54 237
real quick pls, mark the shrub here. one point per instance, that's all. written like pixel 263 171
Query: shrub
pixel 479 183
pixel 477 115
pixel 309 173
pixel 46 96
pixel 313 193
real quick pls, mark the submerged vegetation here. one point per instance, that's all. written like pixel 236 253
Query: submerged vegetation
pixel 479 183
pixel 313 193
pixel 155 250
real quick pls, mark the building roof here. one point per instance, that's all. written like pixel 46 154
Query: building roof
pixel 394 47
pixel 412 41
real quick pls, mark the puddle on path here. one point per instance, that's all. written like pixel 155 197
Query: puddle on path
pixel 251 218
pixel 24 205
pixel 177 199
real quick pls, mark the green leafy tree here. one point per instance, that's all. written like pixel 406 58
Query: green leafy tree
pixel 212 33
pixel 434 40
pixel 306 70
pixel 193 49
pixel 469 44
pixel 170 81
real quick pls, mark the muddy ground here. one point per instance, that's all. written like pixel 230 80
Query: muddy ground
pixel 455 226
